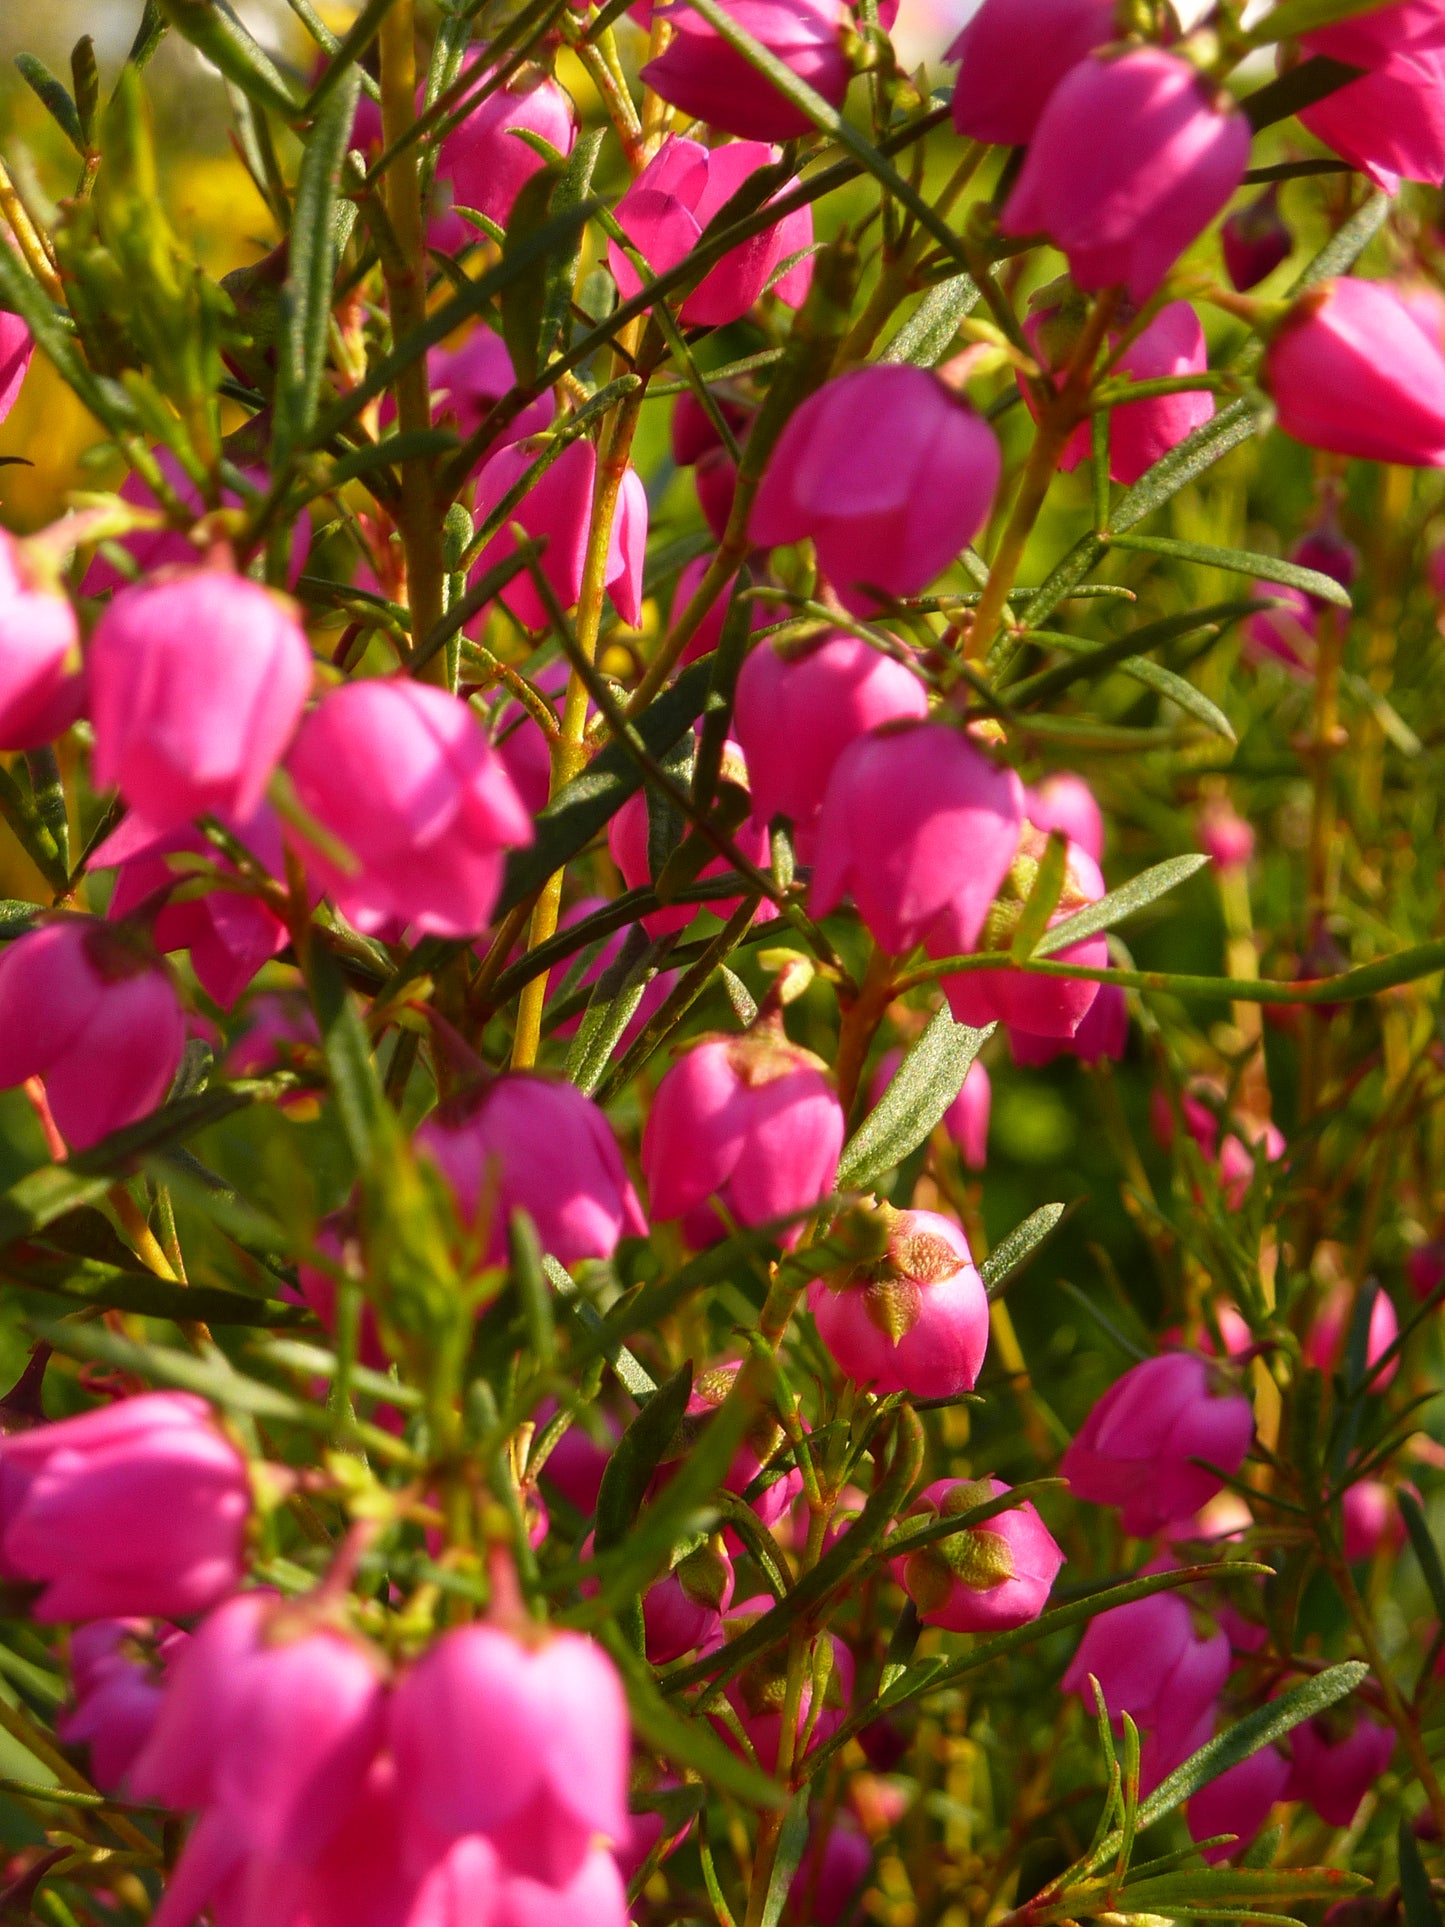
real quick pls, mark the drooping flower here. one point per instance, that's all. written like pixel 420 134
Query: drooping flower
pixel 708 79
pixel 985 1578
pixel 484 157
pixel 1390 122
pixel 1335 1769
pixel 41 684
pixel 1151 1664
pixel 16 348
pixel 1013 54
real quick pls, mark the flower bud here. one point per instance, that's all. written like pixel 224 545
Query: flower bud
pixel 1244 1140
pixel 1013 54
pixel 1325 549
pixel 1224 836
pixel 483 157
pixel 1132 159
pixel 759 1693
pixel 1285 633
pixel 986 1578
pixel 138 1508
pixel 914 1320
pixel 888 473
pixel 761 1444
pixel 1352 371
pixel 704 76
pixel 115 1668
pixel 41 685
pixel 629 838
pixel 684 1610
pixel 1372 1519
pixel 1255 240
pixel 831 1874
pixel 467 382
pixel 1136 1448
pixel 1329 1333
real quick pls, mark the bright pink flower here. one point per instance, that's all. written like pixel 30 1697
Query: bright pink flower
pixel 1044 1006
pixel 889 474
pixel 1372 1518
pixel 467 382
pixel 41 684
pixel 759 1447
pixel 965 1120
pixel 700 73
pixel 558 509
pixel 168 548
pixel 361 1878
pixel 798 708
pixel 1224 836
pixel 1012 55
pixel 196 685
pixel 82 1006
pixel 1132 159
pixel 987 1578
pixel 577 1461
pixel 1352 371
pixel 751 1120
pixel 684 1610
pixel 1136 1448
pixel 916 1320
pixel 1244 1140
pixel 549 1718
pixel 118 1693
pixel 1065 802
pixel 673 199
pixel 401 774
pixel 1151 1664
pixel 138 1508
pixel 917 824
pixel 486 160
pixel 1390 123
pixel 692 432
pixel 471 1886
pixel 533 1143
pixel 628 837
pixel 1334 1771
pixel 757 1700
pixel 16 348
pixel 1103 1033
pixel 830 1878
pixel 1238 1801
pixel 1255 240
pixel 1325 1343
pixel 708 633
pixel 524 750
pixel 1285 633
pixel 1425 1268
pixel 229 935
pixel 279 1029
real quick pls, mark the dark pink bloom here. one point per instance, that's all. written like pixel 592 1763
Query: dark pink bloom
pixel 362 1878
pixel 917 824
pixel 558 509
pixel 279 1028
pixel 1043 1006
pixel 1224 836
pixel 684 1610
pixel 577 1461
pixel 965 1120
pixel 627 844
pixel 1324 547
pixel 889 474
pixel 467 382
pixel 549 1718
pixel 196 685
pixel 520 743
pixel 1334 1770
pixel 228 933
pixel 750 1120
pixel 118 1692
pixel 1372 1518
pixel 401 774
pixel 1065 802
pixel 1390 123
pixel 673 199
pixel 41 685
pixel 1012 55
pixel 1325 1343
pixel 798 708
pixel 916 1320
pixel 169 548
pixel 1151 1664
pixel 486 161
pixel 1136 1448
pixel 16 348
pixel 1352 371
pixel 692 431
pixel 829 1881
pixel 85 1007
pixel 533 1143
pixel 700 73
pixel 1425 1268
pixel 138 1508
pixel 1255 240
pixel 757 1700
pixel 708 633
pixel 316 1289
pixel 1103 1033
pixel 1238 1802
pixel 1285 633
pixel 760 1446
pixel 1132 159
pixel 987 1578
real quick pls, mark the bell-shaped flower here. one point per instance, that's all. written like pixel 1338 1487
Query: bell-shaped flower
pixel 985 1578
pixel 1013 54
pixel 41 684
pixel 708 79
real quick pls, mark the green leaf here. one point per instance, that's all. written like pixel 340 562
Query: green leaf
pixel 1301 86
pixel 17 918
pixel 43 1196
pixel 1140 891
pixel 1195 1890
pixel 524 299
pixel 1427 1553
pixel 591 800
pixel 1266 568
pixel 346 53
pixel 149 34
pixel 925 1084
pixel 123 1150
pixel 639 1451
pixel 610 1009
pixel 792 1841
pixel 1009 1257
pixel 1416 1898
pixel 213 29
pixel 306 297
pixel 55 97
pixel 354 1082
pixel 1043 898
pixel 1093 659
pixel 929 332
pixel 530 1279
pixel 1293 17
pixel 88 1281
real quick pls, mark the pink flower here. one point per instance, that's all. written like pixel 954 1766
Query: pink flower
pixel 1135 1449
pixel 761 1444
pixel 1325 1343
pixel 533 1143
pixel 1238 1801
pixel 279 1028
pixel 798 708
pixel 85 1007
pixel 1255 240
pixel 524 750
pixel 401 775
pixel 751 1120
pixel 196 685
pixel 1151 1664
pixel 1243 1141
pixel 1352 371
pixel 1333 1770
pixel 700 73
pixel 652 997
pixel 558 509
pixel 756 1698
pixel 467 382
pixel 1285 633
pixel 684 1610
pixel 41 685
pixel 1372 1518
pixel 16 348
pixel 917 823
pixel 229 934
pixel 1425 1268
pixel 827 1887
pixel 1065 802
pixel 471 1885
pixel 169 548
pixel 628 844
pixel 1103 1033
pixel 1044 1006
pixel 138 1508
pixel 316 1289
pixel 888 473
pixel 1132 159
pixel 118 1693
pixel 1013 54
pixel 1142 432
pixel 965 1120
pixel 666 209
pixel 1224 836
pixel 1390 123
pixel 484 158
pixel 916 1320
pixel 987 1578
pixel 549 1718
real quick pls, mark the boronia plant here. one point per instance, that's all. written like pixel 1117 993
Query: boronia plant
pixel 651 646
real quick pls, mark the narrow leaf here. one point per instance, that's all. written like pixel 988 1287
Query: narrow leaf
pixel 1265 568
pixel 52 92
pixel 1010 1256
pixel 639 1451
pixel 1310 80
pixel 354 1082
pixel 213 30
pixel 792 1841
pixel 925 1084
pixel 1416 1897
pixel 1427 1553
pixel 1043 898
pixel 929 332
pixel 1124 902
